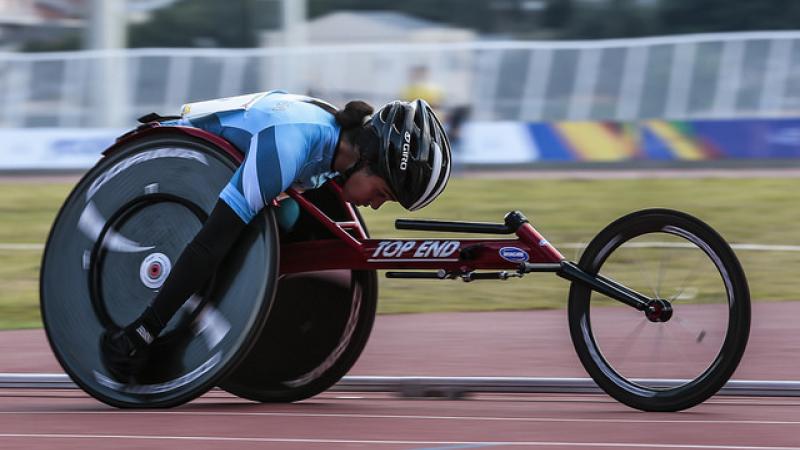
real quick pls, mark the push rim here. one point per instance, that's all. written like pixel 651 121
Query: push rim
pixel 168 163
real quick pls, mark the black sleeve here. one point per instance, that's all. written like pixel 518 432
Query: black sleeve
pixel 199 261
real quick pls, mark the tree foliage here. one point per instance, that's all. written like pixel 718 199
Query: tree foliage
pixel 693 16
pixel 589 19
pixel 237 23
pixel 199 23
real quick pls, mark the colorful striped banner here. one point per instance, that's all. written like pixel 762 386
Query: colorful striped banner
pixel 664 140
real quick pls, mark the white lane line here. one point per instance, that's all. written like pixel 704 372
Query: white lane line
pixel 602 398
pixel 743 247
pixel 760 403
pixel 411 417
pixel 6 246
pixel 570 245
pixel 392 442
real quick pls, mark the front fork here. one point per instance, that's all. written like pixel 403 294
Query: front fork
pixel 655 309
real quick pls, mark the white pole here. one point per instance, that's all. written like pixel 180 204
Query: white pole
pixel 294 31
pixel 778 73
pixel 108 31
pixel 631 88
pixel 729 79
pixel 680 81
pixel 294 17
pixel 580 105
pixel 534 97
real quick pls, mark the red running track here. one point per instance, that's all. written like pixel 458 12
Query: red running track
pixel 464 344
pixel 38 420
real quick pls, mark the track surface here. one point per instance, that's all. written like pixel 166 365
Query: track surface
pixel 469 344
pixel 463 344
pixel 218 421
pixel 513 343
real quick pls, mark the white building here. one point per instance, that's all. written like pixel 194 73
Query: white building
pixel 370 75
pixel 380 27
pixel 22 21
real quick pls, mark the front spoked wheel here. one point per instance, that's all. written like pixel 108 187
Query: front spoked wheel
pixel 693 338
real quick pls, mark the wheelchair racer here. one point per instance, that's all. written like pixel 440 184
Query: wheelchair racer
pixel 400 153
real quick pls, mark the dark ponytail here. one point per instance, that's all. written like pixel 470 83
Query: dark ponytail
pixel 353 114
pixel 351 119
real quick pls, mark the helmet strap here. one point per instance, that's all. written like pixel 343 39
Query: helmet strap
pixel 354 168
pixel 365 140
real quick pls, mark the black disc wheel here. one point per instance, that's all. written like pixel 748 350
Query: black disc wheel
pixel 318 326
pixel 686 345
pixel 114 243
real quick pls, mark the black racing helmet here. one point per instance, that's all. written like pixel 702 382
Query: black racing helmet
pixel 413 153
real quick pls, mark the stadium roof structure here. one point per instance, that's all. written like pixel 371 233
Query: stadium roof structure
pixel 380 26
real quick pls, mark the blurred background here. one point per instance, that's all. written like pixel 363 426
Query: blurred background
pixel 519 81
pixel 573 111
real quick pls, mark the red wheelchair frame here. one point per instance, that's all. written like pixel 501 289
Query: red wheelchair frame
pixel 461 258
pixel 451 258
pixel 360 253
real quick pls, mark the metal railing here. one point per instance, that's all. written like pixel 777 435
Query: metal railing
pixel 455 387
pixel 753 74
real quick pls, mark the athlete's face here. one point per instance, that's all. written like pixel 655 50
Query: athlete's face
pixel 366 189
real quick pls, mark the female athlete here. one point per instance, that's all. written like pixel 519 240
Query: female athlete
pixel 400 153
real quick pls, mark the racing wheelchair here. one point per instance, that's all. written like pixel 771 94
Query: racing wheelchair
pixel 658 307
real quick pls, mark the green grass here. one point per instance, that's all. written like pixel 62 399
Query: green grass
pixel 28 209
pixel 26 212
pixel 763 211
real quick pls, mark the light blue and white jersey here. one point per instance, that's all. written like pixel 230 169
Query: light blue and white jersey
pixel 287 141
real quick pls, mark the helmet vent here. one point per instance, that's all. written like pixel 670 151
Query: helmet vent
pixel 399 119
pixel 419 120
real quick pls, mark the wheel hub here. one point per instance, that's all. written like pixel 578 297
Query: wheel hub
pixel 658 310
pixel 154 270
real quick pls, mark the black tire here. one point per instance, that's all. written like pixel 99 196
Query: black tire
pixel 669 347
pixel 318 327
pixel 155 189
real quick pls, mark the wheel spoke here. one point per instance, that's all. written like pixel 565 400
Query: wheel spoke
pixel 662 269
pixel 679 345
pixel 695 332
pixel 626 343
pixel 679 261
pixel 639 263
pixel 691 274
pixel 656 356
